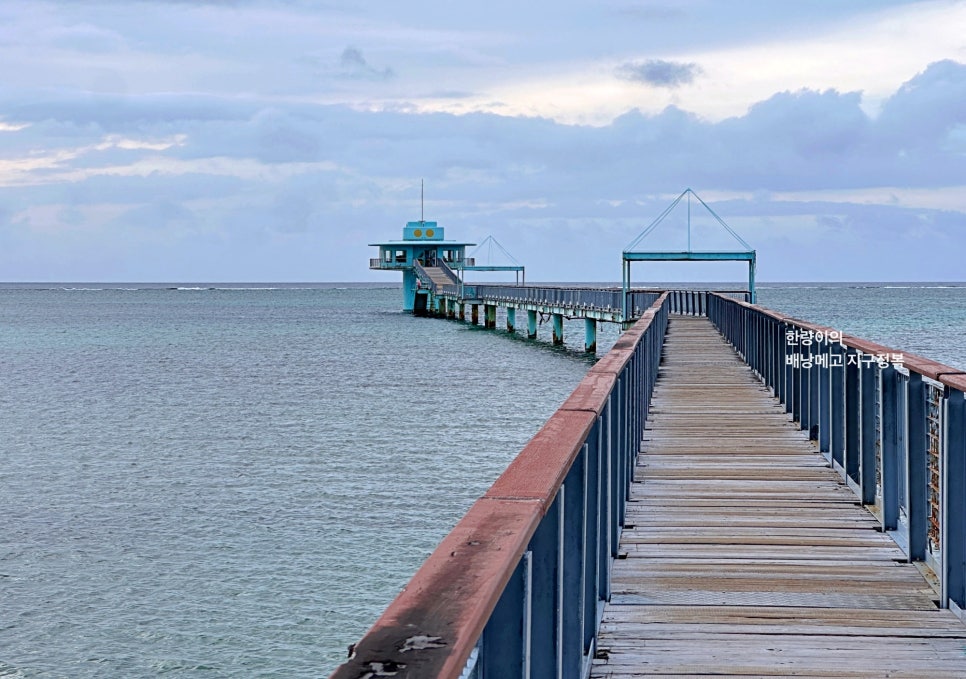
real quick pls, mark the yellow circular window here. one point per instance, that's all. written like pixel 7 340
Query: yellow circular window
pixel 430 233
pixel 418 233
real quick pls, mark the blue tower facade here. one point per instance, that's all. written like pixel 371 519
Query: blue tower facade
pixel 422 244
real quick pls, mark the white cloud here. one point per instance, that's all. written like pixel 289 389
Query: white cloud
pixel 46 166
pixel 228 149
pixel 872 54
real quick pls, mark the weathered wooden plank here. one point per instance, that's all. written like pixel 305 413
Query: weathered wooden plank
pixel 745 555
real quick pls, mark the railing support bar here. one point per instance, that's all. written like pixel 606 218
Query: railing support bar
pixel 954 501
pixel 889 422
pixel 916 467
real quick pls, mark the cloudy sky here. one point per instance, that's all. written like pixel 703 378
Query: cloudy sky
pixel 272 140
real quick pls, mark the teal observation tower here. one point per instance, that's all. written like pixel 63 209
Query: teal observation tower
pixel 425 258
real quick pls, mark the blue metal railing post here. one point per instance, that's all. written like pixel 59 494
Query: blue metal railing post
pixel 790 387
pixel 506 637
pixel 799 403
pixel 853 416
pixel 867 435
pixel 592 540
pixel 617 492
pixel 814 373
pixel 954 500
pixel 546 633
pixel 837 403
pixel 574 570
pixel 824 400
pixel 889 425
pixel 917 477
pixel 609 528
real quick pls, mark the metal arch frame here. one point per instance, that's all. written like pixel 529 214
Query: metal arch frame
pixel 519 269
pixel 689 256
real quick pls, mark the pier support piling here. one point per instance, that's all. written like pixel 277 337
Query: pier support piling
pixel 558 329
pixel 590 335
pixel 531 324
pixel 489 316
pixel 475 313
pixel 511 318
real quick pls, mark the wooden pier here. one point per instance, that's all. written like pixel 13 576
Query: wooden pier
pixel 745 554
pixel 728 492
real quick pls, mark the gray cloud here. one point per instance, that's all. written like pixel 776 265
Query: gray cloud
pixel 354 65
pixel 659 73
pixel 299 175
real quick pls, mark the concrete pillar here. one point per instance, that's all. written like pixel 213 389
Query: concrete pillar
pixel 558 329
pixel 475 313
pixel 462 311
pixel 590 335
pixel 511 318
pixel 490 316
pixel 531 324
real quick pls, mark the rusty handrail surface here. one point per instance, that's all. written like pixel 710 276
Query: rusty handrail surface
pixel 892 423
pixel 514 535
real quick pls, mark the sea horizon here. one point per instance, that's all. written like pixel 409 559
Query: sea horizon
pixel 375 284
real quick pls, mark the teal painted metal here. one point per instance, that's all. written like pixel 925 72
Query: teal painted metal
pixel 590 335
pixel 423 244
pixel 602 304
pixel 558 337
pixel 531 324
pixel 632 254
pixel 689 256
pixel 409 289
pixel 511 318
pixel 490 243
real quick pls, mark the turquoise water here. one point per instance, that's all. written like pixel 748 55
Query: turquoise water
pixel 235 482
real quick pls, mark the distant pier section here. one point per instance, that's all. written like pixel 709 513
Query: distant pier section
pixel 434 281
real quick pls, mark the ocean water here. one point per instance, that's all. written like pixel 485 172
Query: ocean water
pixel 234 481
pixel 928 319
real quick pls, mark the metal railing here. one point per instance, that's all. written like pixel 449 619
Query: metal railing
pixel 893 424
pixel 517 588
pixel 423 276
pixel 450 274
pixel 377 263
pixel 695 302
pixel 569 299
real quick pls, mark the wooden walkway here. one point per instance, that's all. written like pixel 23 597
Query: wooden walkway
pixel 747 556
